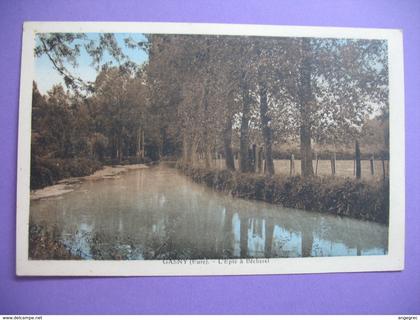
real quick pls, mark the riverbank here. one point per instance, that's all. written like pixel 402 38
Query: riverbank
pixel 360 199
pixel 48 171
pixel 67 185
pixel 43 245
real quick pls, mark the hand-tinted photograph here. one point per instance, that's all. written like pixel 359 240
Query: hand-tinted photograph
pixel 154 146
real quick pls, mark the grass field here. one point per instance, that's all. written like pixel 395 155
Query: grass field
pixel 344 168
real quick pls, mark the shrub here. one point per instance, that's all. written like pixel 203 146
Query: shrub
pixel 223 180
pixel 366 200
pixel 45 172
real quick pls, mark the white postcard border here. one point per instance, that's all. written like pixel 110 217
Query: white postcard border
pixel 393 261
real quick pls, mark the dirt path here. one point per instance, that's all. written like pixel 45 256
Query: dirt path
pixel 67 185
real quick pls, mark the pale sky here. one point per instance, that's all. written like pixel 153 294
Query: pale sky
pixel 46 76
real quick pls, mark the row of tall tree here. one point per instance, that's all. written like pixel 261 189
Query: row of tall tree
pixel 110 124
pixel 268 90
pixel 200 94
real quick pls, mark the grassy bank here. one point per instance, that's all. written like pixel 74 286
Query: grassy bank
pixel 48 171
pixel 358 199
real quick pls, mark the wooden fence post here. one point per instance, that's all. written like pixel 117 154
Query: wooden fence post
pixel 215 159
pixel 372 165
pixel 354 167
pixel 333 160
pixel 292 164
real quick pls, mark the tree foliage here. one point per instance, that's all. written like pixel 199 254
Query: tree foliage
pixel 202 96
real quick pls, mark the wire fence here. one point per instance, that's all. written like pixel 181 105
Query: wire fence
pixel 371 169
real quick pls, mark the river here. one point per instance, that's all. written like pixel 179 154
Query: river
pixel 158 213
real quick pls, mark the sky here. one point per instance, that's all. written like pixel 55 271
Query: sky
pixel 46 76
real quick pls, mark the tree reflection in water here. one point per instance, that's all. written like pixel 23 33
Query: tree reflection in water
pixel 158 213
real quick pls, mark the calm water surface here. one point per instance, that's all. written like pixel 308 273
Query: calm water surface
pixel 158 213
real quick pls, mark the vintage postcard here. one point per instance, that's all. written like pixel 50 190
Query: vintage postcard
pixel 208 149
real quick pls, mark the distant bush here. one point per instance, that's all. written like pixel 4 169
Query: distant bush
pixel 172 157
pixel 126 161
pixel 366 200
pixel 45 172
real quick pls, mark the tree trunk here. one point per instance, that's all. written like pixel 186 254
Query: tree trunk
pixel 250 161
pixel 162 142
pixel 92 150
pixel 121 150
pixel 306 150
pixel 260 160
pixel 142 144
pixel 114 148
pixel 207 147
pixel 358 161
pixel 254 158
pixel 266 130
pixel 305 97
pixel 120 156
pixel 138 149
pixel 187 148
pixel 227 145
pixel 244 140
pixel 208 155
pixel 194 153
pixel 118 151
